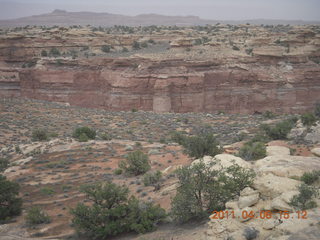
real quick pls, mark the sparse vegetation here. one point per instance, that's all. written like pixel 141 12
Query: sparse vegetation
pixel 280 130
pixel 37 216
pixel 310 177
pixel 112 212
pixel 152 178
pixel 308 119
pixel 54 52
pixel 136 163
pixel 304 200
pixel 252 151
pixel 4 164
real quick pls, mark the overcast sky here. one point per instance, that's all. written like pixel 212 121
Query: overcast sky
pixel 209 9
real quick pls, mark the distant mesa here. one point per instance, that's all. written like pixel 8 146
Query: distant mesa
pixel 59 11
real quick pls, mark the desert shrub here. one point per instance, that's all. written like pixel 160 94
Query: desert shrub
pixel 10 203
pixel 268 115
pixel 44 53
pixel 118 171
pixel 4 164
pixel 144 45
pixel 106 136
pixel 204 144
pixel 84 133
pixel 280 130
pixel 235 48
pixel 304 200
pixel 310 177
pixel 36 216
pixel 252 151
pixel 39 135
pixel 106 48
pixel 83 138
pixel 136 45
pixel 202 190
pixel 308 119
pixel 112 212
pixel 152 178
pixel 54 52
pixel 136 163
pixel 317 110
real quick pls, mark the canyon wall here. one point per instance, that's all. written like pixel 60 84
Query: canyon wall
pixel 283 78
pixel 170 86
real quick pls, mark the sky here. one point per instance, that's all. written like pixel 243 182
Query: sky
pixel 308 10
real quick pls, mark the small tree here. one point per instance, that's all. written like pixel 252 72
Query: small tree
pixel 82 133
pixel 112 212
pixel 136 45
pixel 202 190
pixel 10 203
pixel 280 130
pixel 136 163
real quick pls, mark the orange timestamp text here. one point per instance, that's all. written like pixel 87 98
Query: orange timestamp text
pixel 267 214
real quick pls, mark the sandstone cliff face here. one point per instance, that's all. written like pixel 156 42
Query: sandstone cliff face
pixel 171 86
pixel 271 78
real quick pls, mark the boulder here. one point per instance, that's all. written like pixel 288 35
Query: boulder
pixel 287 166
pixel 316 151
pixel 248 201
pixel 279 204
pixel 270 185
pixel 269 224
pixel 287 196
pixel 223 161
pixel 277 151
pixel 314 135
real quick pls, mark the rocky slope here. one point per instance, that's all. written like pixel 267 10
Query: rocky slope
pixel 236 69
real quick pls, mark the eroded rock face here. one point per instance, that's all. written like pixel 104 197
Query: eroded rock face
pixel 272 77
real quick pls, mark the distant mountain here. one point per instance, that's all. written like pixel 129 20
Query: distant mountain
pixel 64 18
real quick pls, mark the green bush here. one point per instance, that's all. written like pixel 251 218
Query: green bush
pixel 304 200
pixel 253 151
pixel 118 171
pixel 44 53
pixel 106 48
pixel 308 119
pixel 268 115
pixel 112 212
pixel 10 203
pixel 202 190
pixel 136 163
pixel 84 134
pixel 152 178
pixel 310 177
pixel 83 138
pixel 106 136
pixel 40 135
pixel 280 130
pixel 54 52
pixel 36 216
pixel 136 45
pixel 205 144
pixel 4 164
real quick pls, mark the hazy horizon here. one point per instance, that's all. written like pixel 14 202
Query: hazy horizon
pixel 307 10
